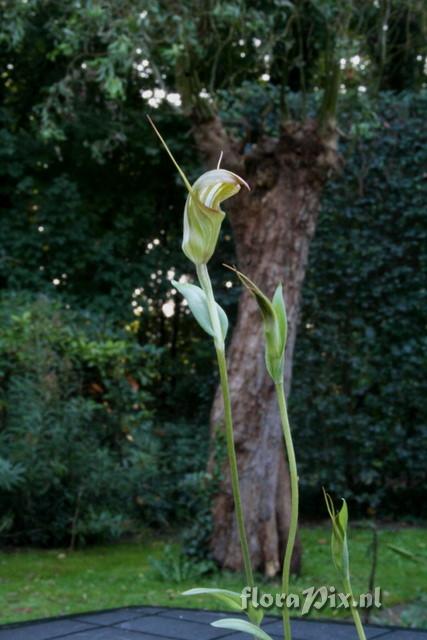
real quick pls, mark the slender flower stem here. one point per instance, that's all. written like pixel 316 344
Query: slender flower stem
pixel 233 466
pixel 280 391
pixel 354 611
pixel 205 282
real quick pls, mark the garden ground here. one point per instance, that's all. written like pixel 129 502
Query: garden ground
pixel 41 583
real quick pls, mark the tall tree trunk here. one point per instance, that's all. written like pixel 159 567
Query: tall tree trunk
pixel 273 226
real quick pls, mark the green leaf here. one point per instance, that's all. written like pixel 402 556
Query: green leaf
pixel 198 303
pixel 231 598
pixel 114 87
pixel 405 553
pixel 241 625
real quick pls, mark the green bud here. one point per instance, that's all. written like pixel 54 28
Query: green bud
pixel 339 547
pixel 274 323
pixel 203 215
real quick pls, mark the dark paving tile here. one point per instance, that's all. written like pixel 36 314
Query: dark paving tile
pixel 402 634
pixel 194 616
pixel 198 615
pixel 109 633
pixel 155 623
pixel 173 628
pixel 44 630
pixel 245 636
pixel 308 630
pixel 118 615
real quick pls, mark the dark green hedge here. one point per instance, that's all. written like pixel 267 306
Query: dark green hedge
pixel 359 401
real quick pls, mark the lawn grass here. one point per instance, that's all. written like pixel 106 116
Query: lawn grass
pixel 41 583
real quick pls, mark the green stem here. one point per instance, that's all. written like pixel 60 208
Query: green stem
pixel 280 391
pixel 354 611
pixel 205 282
pixel 233 466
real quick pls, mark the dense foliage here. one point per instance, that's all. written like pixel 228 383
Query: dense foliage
pixel 75 422
pixel 82 457
pixel 90 435
pixel 358 405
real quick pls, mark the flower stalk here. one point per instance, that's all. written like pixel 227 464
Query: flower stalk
pixel 293 524
pixel 202 222
pixel 275 331
pixel 205 283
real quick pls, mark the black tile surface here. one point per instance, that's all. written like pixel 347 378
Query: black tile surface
pixel 311 630
pixel 195 615
pixel 116 616
pixel 44 630
pixel 110 633
pixel 155 623
pixel 403 634
pixel 174 628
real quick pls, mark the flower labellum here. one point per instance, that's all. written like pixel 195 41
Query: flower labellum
pixel 202 214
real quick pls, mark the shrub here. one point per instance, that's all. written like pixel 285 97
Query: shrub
pixel 76 428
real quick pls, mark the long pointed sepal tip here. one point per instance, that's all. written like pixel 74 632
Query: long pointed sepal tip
pixel 171 156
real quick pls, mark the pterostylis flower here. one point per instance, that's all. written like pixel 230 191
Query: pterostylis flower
pixel 203 215
pixel 202 223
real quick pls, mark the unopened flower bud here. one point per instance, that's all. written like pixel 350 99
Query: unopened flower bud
pixel 275 326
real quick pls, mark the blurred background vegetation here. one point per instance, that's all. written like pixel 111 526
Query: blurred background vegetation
pixel 105 381
pixel 105 400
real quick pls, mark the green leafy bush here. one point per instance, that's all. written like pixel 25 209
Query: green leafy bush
pixel 177 567
pixel 76 442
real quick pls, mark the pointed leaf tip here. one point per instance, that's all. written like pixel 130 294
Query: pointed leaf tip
pixel 236 624
pixel 231 598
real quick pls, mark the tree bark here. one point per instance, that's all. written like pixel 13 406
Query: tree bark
pixel 273 226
